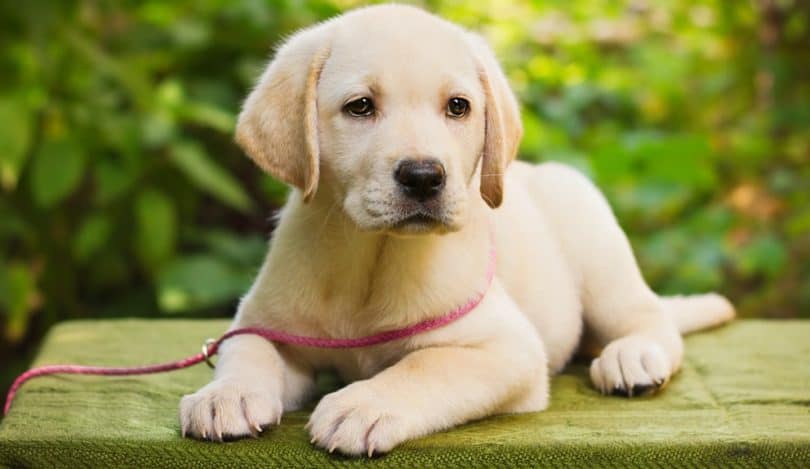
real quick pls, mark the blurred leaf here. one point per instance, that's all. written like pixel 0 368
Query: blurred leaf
pixel 111 180
pixel 190 33
pixel 206 114
pixel 57 170
pixel 274 189
pixel 14 135
pixel 658 201
pixel 701 268
pixel 799 225
pixel 247 251
pixel 158 128
pixel 94 232
pixel 658 158
pixel 191 159
pixel 200 281
pixel 170 94
pixel 17 294
pixel 156 228
pixel 766 254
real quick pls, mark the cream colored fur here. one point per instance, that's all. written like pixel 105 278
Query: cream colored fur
pixel 344 264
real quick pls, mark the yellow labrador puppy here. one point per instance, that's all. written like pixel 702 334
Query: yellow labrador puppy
pixel 398 128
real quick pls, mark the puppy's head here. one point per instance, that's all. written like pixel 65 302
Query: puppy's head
pixel 389 110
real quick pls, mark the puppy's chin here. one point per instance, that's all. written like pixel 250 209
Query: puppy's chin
pixel 406 226
pixel 420 224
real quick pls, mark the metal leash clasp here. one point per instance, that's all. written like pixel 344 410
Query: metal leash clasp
pixel 205 353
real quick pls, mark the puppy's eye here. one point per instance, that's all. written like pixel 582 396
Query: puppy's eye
pixel 362 107
pixel 457 107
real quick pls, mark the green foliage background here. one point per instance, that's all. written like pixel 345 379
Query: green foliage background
pixel 122 192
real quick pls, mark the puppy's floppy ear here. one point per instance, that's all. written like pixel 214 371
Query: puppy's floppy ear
pixel 503 126
pixel 278 125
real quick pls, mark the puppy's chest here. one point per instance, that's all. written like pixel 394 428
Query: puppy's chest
pixel 352 304
pixel 353 364
pixel 338 321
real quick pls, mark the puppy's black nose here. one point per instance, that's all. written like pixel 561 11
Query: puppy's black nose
pixel 420 179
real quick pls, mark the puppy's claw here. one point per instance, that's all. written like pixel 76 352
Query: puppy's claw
pixel 641 389
pixel 371 450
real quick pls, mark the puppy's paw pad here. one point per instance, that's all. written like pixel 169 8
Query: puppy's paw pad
pixel 354 421
pixel 227 411
pixel 630 366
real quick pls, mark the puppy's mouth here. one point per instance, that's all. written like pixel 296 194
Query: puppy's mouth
pixel 418 219
pixel 420 222
pixel 409 217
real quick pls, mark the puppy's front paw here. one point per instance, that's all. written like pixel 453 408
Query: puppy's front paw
pixel 356 420
pixel 631 366
pixel 226 410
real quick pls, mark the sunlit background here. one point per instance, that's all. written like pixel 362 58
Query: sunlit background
pixel 123 194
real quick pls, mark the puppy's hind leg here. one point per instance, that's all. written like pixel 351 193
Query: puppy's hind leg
pixel 695 312
pixel 642 345
pixel 685 313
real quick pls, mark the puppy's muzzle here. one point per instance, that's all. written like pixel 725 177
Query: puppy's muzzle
pixel 421 179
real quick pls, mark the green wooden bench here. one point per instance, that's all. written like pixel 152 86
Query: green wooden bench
pixel 742 399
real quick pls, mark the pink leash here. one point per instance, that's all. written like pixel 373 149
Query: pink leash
pixel 211 347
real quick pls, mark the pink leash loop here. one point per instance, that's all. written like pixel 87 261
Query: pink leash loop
pixel 211 347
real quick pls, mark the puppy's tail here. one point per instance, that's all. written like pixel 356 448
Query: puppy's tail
pixel 695 312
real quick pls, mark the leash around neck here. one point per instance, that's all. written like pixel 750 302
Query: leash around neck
pixel 211 347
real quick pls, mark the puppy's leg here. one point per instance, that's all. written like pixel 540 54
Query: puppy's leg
pixel 252 387
pixel 429 390
pixel 643 346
